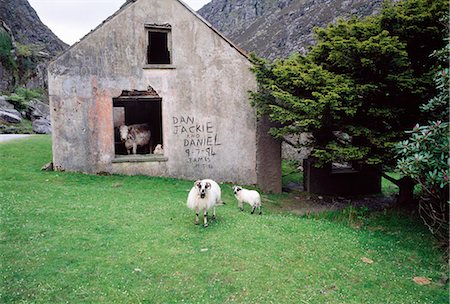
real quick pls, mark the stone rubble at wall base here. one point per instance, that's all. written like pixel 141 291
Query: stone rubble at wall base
pixel 36 111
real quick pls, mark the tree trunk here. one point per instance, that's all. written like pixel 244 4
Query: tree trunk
pixel 405 198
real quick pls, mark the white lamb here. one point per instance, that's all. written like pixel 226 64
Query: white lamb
pixel 159 149
pixel 205 194
pixel 251 197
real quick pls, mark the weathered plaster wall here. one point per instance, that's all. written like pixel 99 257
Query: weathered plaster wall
pixel 204 97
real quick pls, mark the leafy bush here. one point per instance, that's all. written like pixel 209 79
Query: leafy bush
pixel 22 96
pixel 29 94
pixel 24 50
pixel 425 158
pixel 18 101
pixel 27 59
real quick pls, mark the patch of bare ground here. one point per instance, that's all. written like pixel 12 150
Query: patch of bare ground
pixel 302 203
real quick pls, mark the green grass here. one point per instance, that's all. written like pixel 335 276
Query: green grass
pixel 24 127
pixel 387 187
pixel 291 174
pixel 75 238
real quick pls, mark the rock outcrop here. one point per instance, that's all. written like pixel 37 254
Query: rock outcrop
pixel 39 113
pixel 42 126
pixel 8 114
pixel 36 111
pixel 27 28
pixel 30 44
pixel 277 28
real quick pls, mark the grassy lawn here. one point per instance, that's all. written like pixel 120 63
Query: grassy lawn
pixel 75 238
pixel 387 187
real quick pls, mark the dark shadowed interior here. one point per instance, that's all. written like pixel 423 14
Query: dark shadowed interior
pixel 137 110
pixel 158 51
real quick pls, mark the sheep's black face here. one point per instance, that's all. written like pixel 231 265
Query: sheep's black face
pixel 202 187
pixel 236 189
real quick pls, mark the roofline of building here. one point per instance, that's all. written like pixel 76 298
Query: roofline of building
pixel 128 4
pixel 243 53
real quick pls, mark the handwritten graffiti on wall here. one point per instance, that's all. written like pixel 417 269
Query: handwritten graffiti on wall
pixel 200 140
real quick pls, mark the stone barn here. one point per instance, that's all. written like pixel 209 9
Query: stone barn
pixel 157 62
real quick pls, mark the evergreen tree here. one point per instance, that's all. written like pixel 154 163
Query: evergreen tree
pixel 360 86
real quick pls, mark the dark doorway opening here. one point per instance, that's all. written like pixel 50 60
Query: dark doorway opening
pixel 136 110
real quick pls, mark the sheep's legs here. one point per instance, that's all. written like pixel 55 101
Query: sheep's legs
pixel 205 218
pixel 241 206
pixel 214 213
pixel 134 148
pixel 259 209
pixel 196 216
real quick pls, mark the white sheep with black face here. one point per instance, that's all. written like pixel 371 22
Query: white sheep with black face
pixel 204 195
pixel 250 197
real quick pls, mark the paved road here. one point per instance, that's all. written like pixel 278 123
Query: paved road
pixel 6 137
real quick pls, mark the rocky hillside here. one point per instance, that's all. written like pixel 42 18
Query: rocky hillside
pixel 276 28
pixel 27 28
pixel 26 45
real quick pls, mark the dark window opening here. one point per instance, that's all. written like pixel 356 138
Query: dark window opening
pixel 131 111
pixel 341 166
pixel 158 48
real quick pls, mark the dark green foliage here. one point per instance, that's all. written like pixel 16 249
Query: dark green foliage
pixel 29 94
pixel 421 25
pixel 22 96
pixel 20 60
pixel 290 173
pixel 437 108
pixel 18 101
pixel 27 60
pixel 6 47
pixel 360 86
pixel 424 156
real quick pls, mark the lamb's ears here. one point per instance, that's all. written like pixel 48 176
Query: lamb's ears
pixel 197 183
pixel 208 185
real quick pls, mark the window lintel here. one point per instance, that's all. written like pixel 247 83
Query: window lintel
pixel 154 26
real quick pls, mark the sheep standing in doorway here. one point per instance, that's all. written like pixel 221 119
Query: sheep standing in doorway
pixel 204 195
pixel 135 135
pixel 251 197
